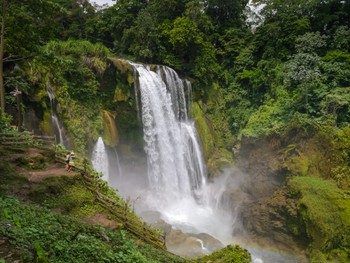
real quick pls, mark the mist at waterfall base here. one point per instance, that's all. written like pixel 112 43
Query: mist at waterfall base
pixel 173 179
pixel 186 213
pixel 220 221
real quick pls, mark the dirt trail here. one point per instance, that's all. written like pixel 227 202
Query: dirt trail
pixel 50 171
pixel 33 155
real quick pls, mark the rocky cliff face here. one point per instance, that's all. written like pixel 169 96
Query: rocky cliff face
pixel 270 210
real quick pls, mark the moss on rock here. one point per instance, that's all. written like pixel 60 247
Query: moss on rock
pixel 121 65
pixel 324 210
pixel 204 129
pixel 46 124
pixel 217 158
pixel 110 132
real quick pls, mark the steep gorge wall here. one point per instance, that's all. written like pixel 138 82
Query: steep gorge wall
pixel 289 191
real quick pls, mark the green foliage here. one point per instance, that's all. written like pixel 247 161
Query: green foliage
pixel 303 72
pixel 229 254
pixel 341 39
pixel 29 23
pixel 236 49
pixel 17 81
pixel 188 49
pixel 57 238
pixel 265 121
pixel 143 37
pixel 336 103
pixel 79 63
pixel 336 68
pixel 73 199
pixel 328 16
pixel 82 122
pixel 226 13
pixel 40 254
pixel 5 121
pixel 271 117
pixel 9 176
pixel 310 43
pixel 276 37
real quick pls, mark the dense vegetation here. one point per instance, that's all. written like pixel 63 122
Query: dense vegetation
pixel 57 238
pixel 32 233
pixel 285 70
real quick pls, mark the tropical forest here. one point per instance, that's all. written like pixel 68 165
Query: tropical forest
pixel 175 131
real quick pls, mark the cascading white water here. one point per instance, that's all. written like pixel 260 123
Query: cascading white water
pixel 176 169
pixel 54 119
pixel 99 159
pixel 171 144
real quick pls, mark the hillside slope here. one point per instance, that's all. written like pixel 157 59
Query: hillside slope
pixel 49 215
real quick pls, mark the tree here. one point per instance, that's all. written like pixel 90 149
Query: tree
pixel 28 24
pixel 283 22
pixel 163 10
pixel 327 16
pixel 303 72
pixel 2 39
pixel 226 13
pixel 110 24
pixel 143 37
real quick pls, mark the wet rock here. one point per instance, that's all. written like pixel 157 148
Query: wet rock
pixel 180 243
pixel 191 245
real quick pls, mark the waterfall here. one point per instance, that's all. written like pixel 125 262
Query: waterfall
pixel 175 163
pixel 99 159
pixel 58 129
pixel 177 174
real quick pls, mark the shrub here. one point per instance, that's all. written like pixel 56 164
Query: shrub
pixel 229 254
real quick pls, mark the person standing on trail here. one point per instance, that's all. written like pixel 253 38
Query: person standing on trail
pixel 71 162
pixel 67 161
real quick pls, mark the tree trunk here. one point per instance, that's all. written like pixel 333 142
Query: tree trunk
pixel 19 111
pixel 2 38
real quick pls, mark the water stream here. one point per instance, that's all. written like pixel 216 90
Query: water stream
pixel 56 123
